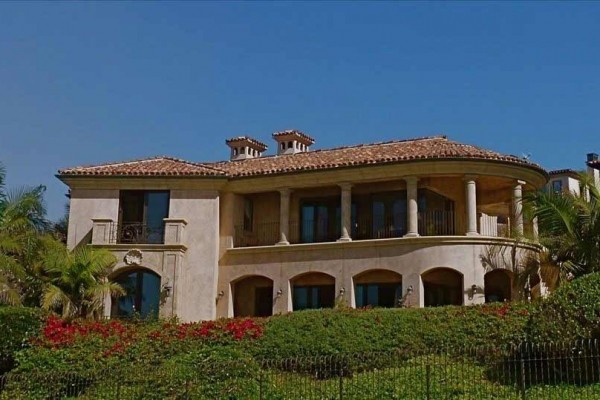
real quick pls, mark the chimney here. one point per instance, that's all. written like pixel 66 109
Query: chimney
pixel 292 141
pixel 244 147
pixel 593 168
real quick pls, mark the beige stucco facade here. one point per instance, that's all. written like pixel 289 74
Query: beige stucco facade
pixel 207 249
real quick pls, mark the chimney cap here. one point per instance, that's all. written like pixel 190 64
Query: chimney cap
pixel 239 140
pixel 592 157
pixel 294 133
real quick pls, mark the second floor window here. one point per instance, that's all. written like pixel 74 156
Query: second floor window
pixel 557 186
pixel 141 216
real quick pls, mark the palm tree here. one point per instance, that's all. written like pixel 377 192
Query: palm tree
pixel 569 226
pixel 78 280
pixel 22 220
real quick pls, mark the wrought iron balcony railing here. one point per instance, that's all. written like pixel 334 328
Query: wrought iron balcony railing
pixel 137 233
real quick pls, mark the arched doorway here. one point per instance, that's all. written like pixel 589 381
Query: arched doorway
pixel 313 290
pixel 442 287
pixel 142 296
pixel 378 288
pixel 498 285
pixel 253 297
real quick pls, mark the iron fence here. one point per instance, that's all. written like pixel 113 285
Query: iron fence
pixel 527 371
pixel 136 233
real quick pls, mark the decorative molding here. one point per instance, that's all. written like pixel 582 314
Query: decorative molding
pixel 133 257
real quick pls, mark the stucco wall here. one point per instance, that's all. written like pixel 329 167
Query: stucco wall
pixel 87 204
pixel 196 293
pixel 408 257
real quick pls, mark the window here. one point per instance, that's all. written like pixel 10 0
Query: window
pixel 141 216
pixel 378 294
pixel 557 186
pixel 389 215
pixel 321 219
pixel 316 296
pixel 248 214
pixel 142 295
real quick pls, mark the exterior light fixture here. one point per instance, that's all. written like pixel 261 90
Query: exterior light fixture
pixel 167 289
pixel 221 294
pixel 279 293
pixel 409 290
pixel 474 288
pixel 342 291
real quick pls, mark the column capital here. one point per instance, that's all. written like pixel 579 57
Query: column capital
pixel 286 191
pixel 411 179
pixel 470 178
pixel 345 185
pixel 520 182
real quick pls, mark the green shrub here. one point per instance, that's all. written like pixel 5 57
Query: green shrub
pixel 17 325
pixel 325 332
pixel 572 312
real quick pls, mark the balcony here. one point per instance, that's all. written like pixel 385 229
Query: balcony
pixel 431 223
pixel 109 232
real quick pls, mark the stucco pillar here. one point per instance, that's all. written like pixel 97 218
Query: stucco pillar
pixel 412 207
pixel 471 197
pixel 346 199
pixel 535 229
pixel 102 229
pixel 226 219
pixel 174 230
pixel 518 207
pixel 284 216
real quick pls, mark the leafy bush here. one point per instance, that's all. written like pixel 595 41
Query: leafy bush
pixel 17 324
pixel 571 312
pixel 325 332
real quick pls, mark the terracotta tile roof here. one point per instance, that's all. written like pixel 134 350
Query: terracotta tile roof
pixel 294 132
pixel 241 139
pixel 157 166
pixel 427 148
pixel 566 171
pixel 436 147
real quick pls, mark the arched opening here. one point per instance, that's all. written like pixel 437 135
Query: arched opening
pixel 142 296
pixel 498 285
pixel 253 297
pixel 378 288
pixel 313 290
pixel 443 287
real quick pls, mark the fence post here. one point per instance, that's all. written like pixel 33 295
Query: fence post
pixel 427 381
pixel 522 357
pixel 341 372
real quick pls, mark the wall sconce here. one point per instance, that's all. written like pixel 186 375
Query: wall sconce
pixel 167 289
pixel 409 290
pixel 473 288
pixel 279 293
pixel 220 294
pixel 342 291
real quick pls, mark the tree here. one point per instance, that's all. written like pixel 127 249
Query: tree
pixel 22 222
pixel 569 226
pixel 78 280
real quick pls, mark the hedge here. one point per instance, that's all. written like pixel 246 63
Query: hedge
pixel 17 325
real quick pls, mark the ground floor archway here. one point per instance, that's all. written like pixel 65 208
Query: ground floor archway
pixel 313 290
pixel 142 297
pixel 442 287
pixel 253 297
pixel 498 286
pixel 378 288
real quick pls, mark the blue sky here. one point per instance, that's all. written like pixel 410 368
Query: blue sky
pixel 83 83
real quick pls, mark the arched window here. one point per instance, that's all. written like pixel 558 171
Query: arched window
pixel 443 287
pixel 378 288
pixel 253 297
pixel 313 290
pixel 498 285
pixel 142 297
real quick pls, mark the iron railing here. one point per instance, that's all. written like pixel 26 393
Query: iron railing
pixel 137 233
pixel 526 371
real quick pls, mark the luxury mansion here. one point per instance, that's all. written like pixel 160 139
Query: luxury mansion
pixel 412 223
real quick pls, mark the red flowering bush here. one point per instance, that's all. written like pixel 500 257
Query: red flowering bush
pixel 57 332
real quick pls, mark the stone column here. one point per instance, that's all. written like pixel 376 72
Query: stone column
pixel 412 207
pixel 535 230
pixel 284 216
pixel 471 196
pixel 518 208
pixel 346 198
